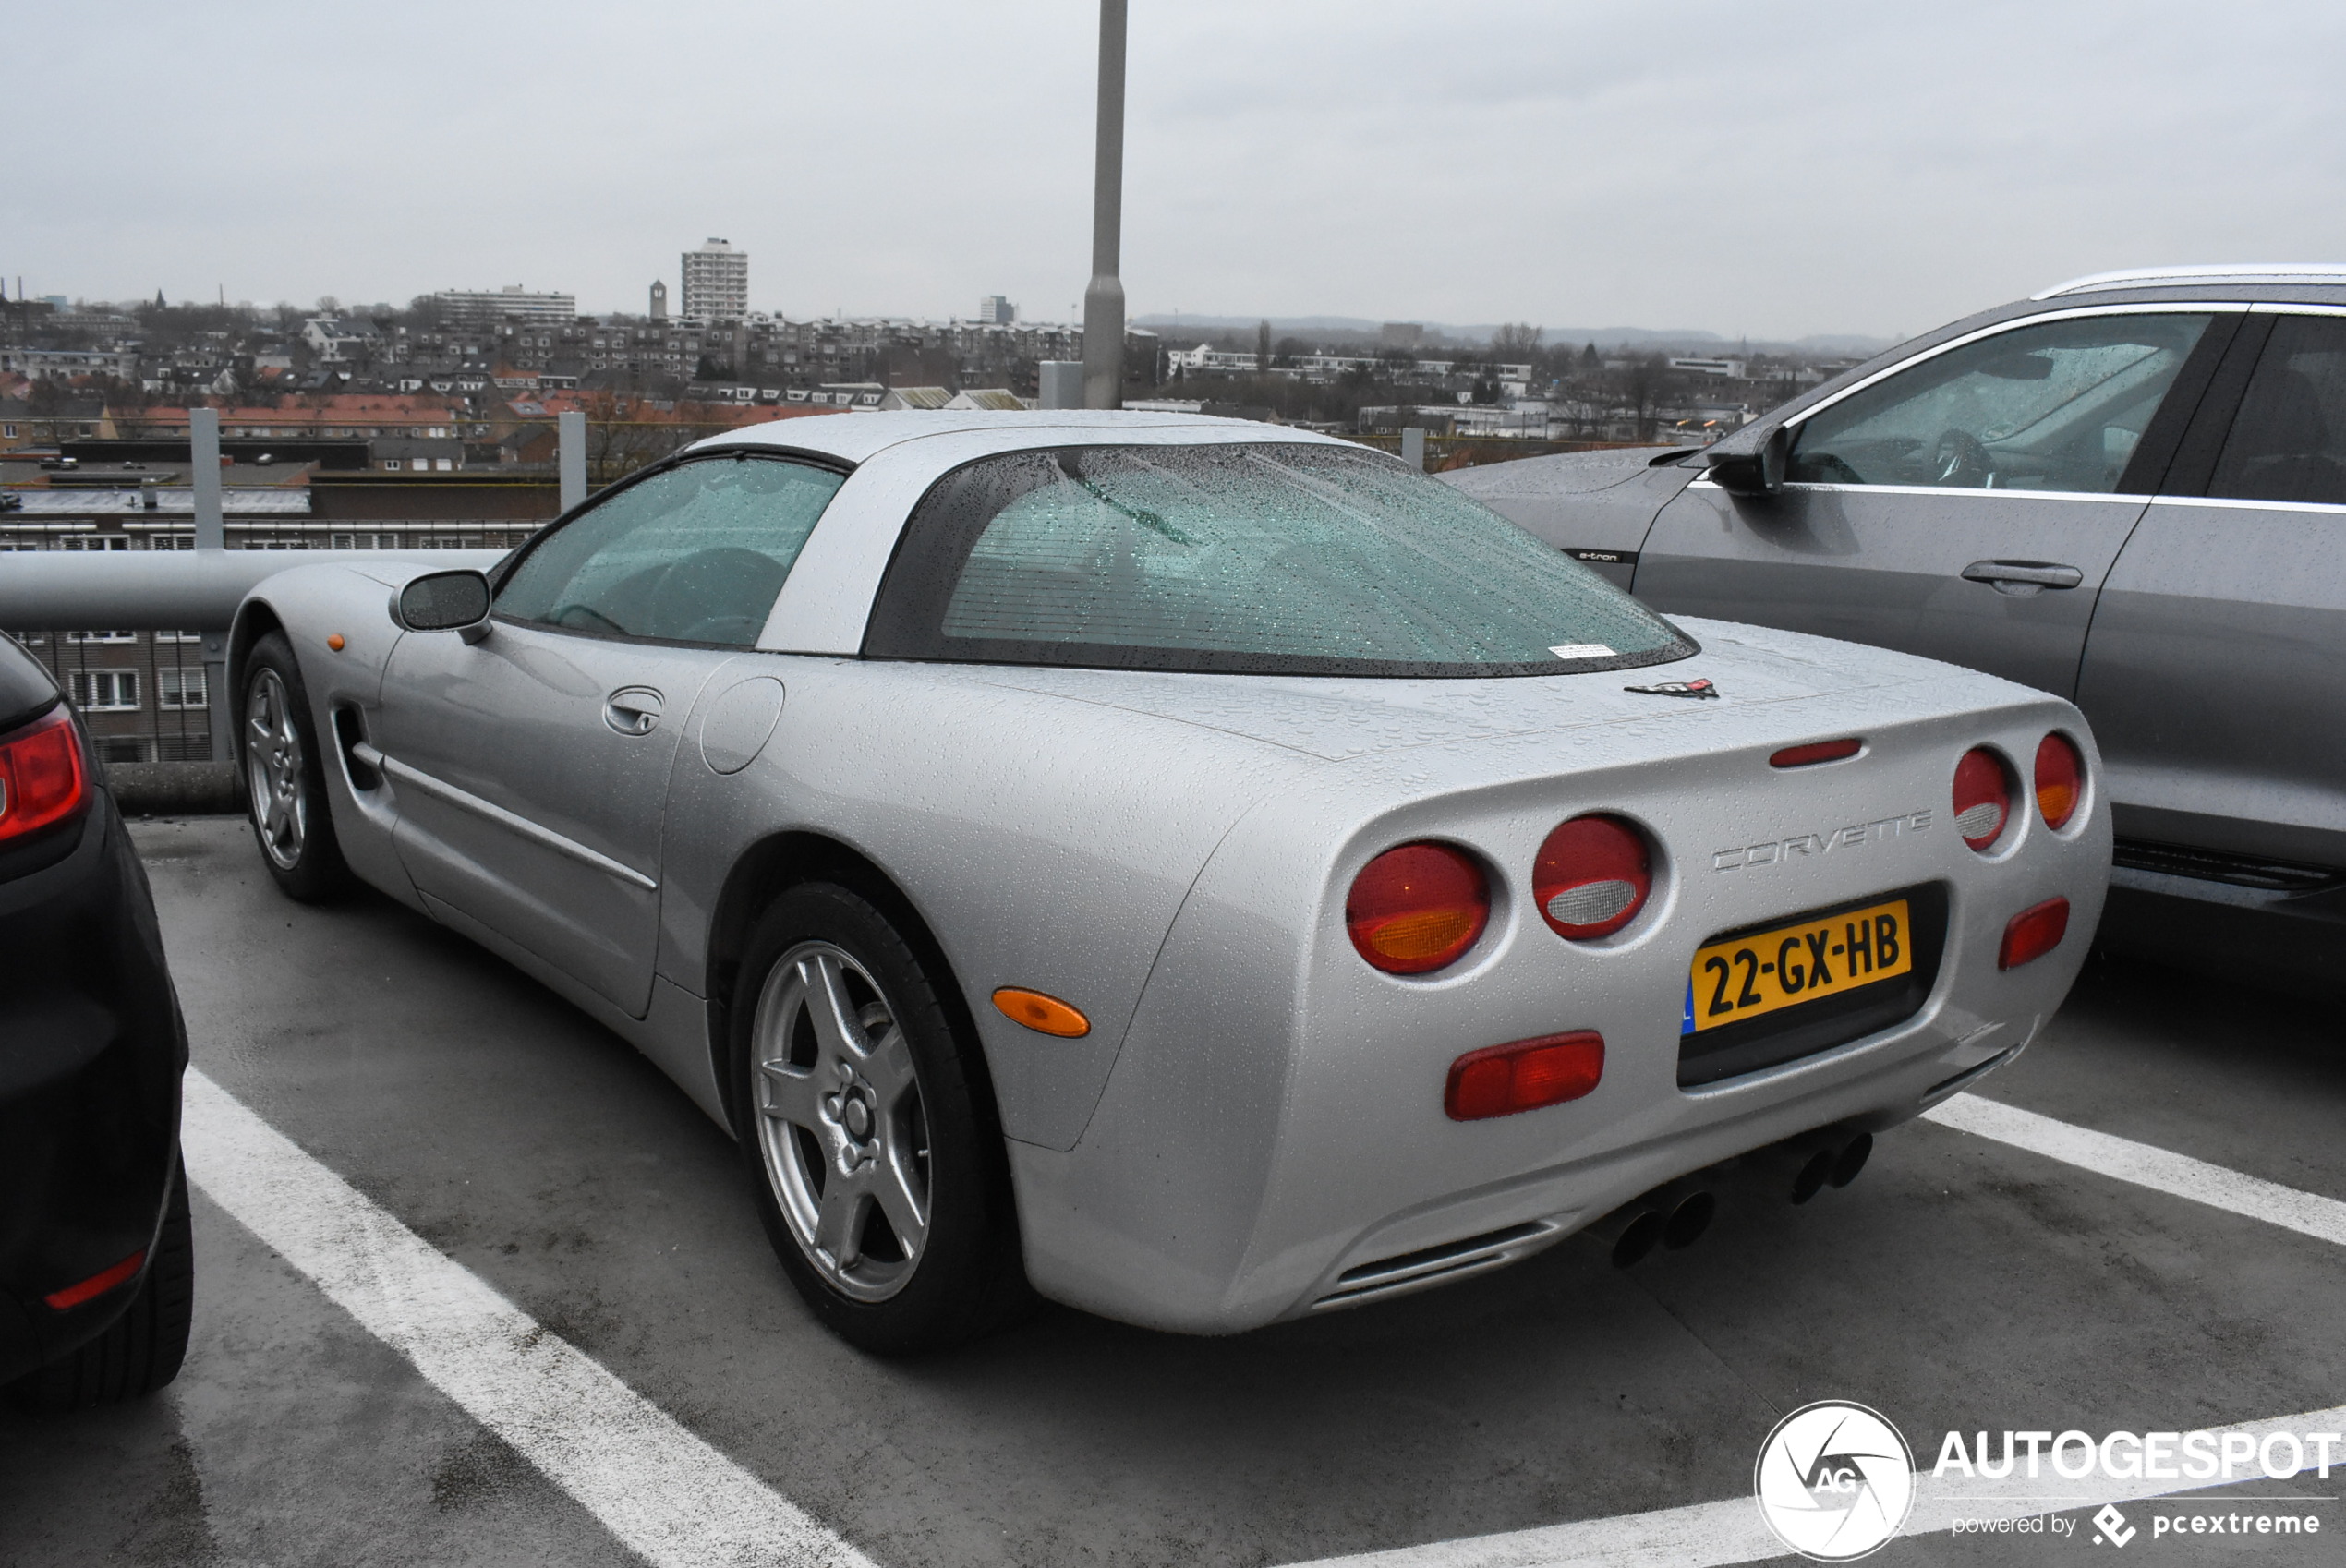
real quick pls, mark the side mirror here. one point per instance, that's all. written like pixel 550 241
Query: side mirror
pixel 445 601
pixel 1754 472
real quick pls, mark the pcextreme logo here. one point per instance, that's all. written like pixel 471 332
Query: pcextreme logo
pixel 1834 1481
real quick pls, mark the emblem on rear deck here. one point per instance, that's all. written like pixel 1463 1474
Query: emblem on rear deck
pixel 1676 689
pixel 1835 1481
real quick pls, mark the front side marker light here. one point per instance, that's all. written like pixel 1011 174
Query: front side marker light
pixel 1042 1013
pixel 2033 932
pixel 1500 1080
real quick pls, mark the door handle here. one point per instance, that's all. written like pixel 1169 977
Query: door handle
pixel 2021 579
pixel 632 710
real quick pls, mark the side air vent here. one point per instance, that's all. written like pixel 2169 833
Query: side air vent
pixel 1435 1265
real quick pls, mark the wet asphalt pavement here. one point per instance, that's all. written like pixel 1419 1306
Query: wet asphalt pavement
pixel 1959 1283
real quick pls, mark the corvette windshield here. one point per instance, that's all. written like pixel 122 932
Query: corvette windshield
pixel 1296 559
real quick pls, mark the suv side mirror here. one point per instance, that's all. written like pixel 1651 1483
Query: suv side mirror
pixel 445 601
pixel 1757 472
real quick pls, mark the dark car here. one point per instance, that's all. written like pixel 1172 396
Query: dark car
pixel 96 1265
pixel 2129 490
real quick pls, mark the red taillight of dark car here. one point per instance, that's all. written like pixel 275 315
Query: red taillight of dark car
pixel 1591 876
pixel 2061 779
pixel 42 778
pixel 2033 932
pixel 1983 798
pixel 1499 1081
pixel 1418 908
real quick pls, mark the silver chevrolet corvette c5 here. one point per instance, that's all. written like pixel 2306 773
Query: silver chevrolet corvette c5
pixel 1204 873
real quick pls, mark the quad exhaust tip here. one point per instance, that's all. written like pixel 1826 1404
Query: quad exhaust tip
pixel 1675 1215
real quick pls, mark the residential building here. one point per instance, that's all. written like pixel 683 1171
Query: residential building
pixel 716 280
pixel 996 311
pixel 479 310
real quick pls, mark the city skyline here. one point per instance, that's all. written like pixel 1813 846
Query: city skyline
pixel 1863 173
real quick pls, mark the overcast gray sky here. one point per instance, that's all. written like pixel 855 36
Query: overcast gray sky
pixel 1774 169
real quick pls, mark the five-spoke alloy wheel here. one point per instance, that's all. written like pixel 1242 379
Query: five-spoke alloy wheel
pixel 284 787
pixel 840 1122
pixel 867 1125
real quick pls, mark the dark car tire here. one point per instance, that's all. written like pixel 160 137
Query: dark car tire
pixel 283 768
pixel 965 1276
pixel 142 1351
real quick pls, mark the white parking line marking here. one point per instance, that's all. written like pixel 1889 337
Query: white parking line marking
pixel 1716 1534
pixel 2178 1175
pixel 662 1491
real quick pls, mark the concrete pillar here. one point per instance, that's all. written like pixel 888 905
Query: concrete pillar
pixel 203 473
pixel 1104 297
pixel 1061 383
pixel 1413 448
pixel 212 534
pixel 571 430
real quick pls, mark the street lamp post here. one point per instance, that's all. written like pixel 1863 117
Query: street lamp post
pixel 1103 296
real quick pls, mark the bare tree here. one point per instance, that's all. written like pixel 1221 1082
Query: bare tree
pixel 1517 342
pixel 1261 346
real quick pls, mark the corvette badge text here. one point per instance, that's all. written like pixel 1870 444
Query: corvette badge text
pixel 1857 835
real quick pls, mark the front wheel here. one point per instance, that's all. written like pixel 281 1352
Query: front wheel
pixel 870 1142
pixel 284 778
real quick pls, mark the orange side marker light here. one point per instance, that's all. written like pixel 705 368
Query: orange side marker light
pixel 333 640
pixel 1044 1015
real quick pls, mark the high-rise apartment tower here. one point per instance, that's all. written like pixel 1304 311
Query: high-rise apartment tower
pixel 717 282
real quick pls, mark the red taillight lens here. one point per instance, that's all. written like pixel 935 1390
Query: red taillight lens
pixel 42 781
pixel 1814 752
pixel 2033 932
pixel 1418 908
pixel 1983 797
pixel 1499 1081
pixel 2061 779
pixel 1591 878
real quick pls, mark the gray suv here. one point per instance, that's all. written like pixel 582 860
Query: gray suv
pixel 2129 490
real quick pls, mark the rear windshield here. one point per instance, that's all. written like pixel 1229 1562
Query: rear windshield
pixel 1270 559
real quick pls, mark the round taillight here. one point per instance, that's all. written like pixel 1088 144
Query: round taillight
pixel 1983 797
pixel 2061 779
pixel 1591 878
pixel 1418 908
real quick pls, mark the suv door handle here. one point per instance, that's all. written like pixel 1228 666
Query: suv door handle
pixel 632 710
pixel 2023 578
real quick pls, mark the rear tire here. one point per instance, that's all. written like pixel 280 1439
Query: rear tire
pixel 142 1351
pixel 283 772
pixel 868 1132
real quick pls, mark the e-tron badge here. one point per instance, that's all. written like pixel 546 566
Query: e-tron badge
pixel 1835 1481
pixel 1676 689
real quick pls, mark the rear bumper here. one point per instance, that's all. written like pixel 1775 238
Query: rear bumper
pixel 1273 1132
pixel 91 1049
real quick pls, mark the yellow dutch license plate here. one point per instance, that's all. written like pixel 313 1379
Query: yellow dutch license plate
pixel 1745 977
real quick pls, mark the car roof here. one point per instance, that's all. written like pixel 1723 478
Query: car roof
pixel 2182 287
pixel 853 438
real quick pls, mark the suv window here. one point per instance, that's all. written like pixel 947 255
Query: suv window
pixel 694 554
pixel 1259 557
pixel 2289 440
pixel 2057 406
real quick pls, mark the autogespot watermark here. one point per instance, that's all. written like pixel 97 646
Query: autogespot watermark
pixel 1835 1481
